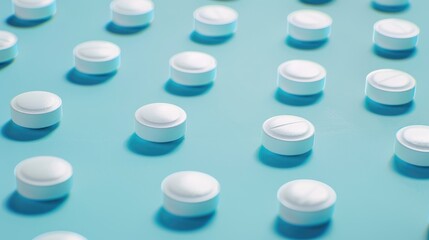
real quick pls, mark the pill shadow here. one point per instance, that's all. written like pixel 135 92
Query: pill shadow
pixel 142 147
pixel 198 38
pixel 76 77
pixel 24 206
pixel 388 110
pixel 316 1
pixel 288 230
pixel 14 132
pixel 115 29
pixel 389 9
pixel 21 23
pixel 381 52
pixel 186 91
pixel 177 223
pixel 304 45
pixel 281 161
pixel 409 170
pixel 5 64
pixel 296 100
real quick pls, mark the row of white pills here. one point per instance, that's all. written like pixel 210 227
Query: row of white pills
pixel 186 193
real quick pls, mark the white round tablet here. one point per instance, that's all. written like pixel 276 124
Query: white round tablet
pixel 60 235
pixel 215 21
pixel 301 77
pixel 288 135
pixel 97 57
pixel 132 13
pixel 395 34
pixel 8 46
pixel 390 87
pixel 190 193
pixel 160 122
pixel 36 109
pixel 43 178
pixel 309 25
pixel 193 68
pixel 412 145
pixel 34 9
pixel 306 202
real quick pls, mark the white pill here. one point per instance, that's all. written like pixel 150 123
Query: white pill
pixel 36 109
pixel 412 145
pixel 301 77
pixel 215 21
pixel 132 13
pixel 288 135
pixel 392 3
pixel 395 34
pixel 306 202
pixel 43 178
pixel 8 46
pixel 160 122
pixel 190 193
pixel 193 68
pixel 60 235
pixel 97 57
pixel 34 9
pixel 390 87
pixel 309 25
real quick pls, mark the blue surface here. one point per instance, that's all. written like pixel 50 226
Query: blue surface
pixel 117 194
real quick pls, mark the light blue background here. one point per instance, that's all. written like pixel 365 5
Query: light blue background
pixel 116 192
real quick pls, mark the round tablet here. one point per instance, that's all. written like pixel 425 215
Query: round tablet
pixel 193 68
pixel 306 202
pixel 43 178
pixel 288 135
pixel 97 57
pixel 36 109
pixel 309 25
pixel 395 34
pixel 160 122
pixel 215 21
pixel 60 235
pixel 391 4
pixel 8 46
pixel 390 87
pixel 132 13
pixel 34 9
pixel 301 77
pixel 412 145
pixel 190 193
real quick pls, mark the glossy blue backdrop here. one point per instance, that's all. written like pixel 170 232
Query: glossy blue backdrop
pixel 117 179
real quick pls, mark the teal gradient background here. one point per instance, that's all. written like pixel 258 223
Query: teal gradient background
pixel 116 193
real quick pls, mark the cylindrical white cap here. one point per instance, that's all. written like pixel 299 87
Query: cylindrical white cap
pixel 412 145
pixel 34 9
pixel 97 57
pixel 132 13
pixel 395 34
pixel 215 21
pixel 309 25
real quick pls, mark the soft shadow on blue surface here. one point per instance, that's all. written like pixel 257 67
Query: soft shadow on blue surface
pixel 316 1
pixel 409 170
pixel 17 133
pixel 292 42
pixel 21 205
pixel 113 28
pixel 5 64
pixel 388 110
pixel 198 38
pixel 176 223
pixel 281 161
pixel 17 22
pixel 142 147
pixel 296 100
pixel 393 9
pixel 287 230
pixel 384 53
pixel 76 77
pixel 186 91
